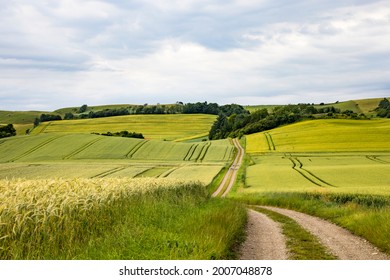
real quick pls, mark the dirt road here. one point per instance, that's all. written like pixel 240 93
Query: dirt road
pixel 231 175
pixel 266 241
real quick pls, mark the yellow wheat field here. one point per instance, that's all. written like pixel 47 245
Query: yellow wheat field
pixel 61 212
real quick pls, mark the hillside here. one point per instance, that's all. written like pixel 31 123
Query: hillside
pixel 161 127
pixel 324 135
pixel 51 155
pixel 365 106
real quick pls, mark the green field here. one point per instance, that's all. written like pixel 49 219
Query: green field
pixel 71 194
pixel 324 136
pixel 161 127
pixel 335 169
pixel 51 155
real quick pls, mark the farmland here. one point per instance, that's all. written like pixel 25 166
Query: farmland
pixel 114 219
pixel 89 156
pixel 335 169
pixel 159 127
pixel 86 196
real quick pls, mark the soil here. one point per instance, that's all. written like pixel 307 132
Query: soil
pixel 264 238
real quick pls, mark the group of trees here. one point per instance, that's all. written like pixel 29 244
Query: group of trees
pixel 123 133
pixel 178 108
pixel 383 109
pixel 7 131
pixel 46 118
pixel 237 125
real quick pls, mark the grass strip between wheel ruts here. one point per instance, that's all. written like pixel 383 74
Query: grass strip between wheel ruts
pixel 301 245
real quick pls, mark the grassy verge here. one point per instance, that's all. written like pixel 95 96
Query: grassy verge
pixel 301 245
pixel 364 215
pixel 153 230
pixel 116 219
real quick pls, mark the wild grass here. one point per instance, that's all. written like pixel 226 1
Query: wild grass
pixel 115 219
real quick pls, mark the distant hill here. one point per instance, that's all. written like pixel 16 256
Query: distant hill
pixel 23 120
pixel 365 106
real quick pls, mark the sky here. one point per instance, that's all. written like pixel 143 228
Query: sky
pixel 62 53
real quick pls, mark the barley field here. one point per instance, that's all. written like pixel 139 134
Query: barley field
pixel 66 219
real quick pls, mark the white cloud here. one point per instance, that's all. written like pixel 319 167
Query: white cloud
pixel 66 52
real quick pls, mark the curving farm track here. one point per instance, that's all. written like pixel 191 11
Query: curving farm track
pixel 231 175
pixel 266 241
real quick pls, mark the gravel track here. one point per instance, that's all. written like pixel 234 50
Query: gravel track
pixel 340 242
pixel 265 240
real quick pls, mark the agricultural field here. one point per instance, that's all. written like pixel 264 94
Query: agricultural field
pixel 331 135
pixel 51 155
pixel 335 169
pixel 322 155
pixel 115 219
pixel 159 127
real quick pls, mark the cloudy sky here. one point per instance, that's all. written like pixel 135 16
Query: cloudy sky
pixel 59 53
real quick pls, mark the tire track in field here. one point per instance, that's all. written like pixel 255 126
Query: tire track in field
pixel 82 148
pixel 270 141
pixel 109 172
pixel 44 127
pixel 203 152
pixel 169 172
pixel 377 160
pixel 190 152
pixel 37 147
pixel 135 149
pixel 310 176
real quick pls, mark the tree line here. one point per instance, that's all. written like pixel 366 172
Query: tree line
pixel 123 133
pixel 237 125
pixel 178 108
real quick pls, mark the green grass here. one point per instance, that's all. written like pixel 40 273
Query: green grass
pixel 154 230
pixel 19 117
pixel 335 169
pixel 44 147
pixel 116 219
pixel 367 216
pixel 160 127
pixel 50 155
pixel 301 245
pixel 325 136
